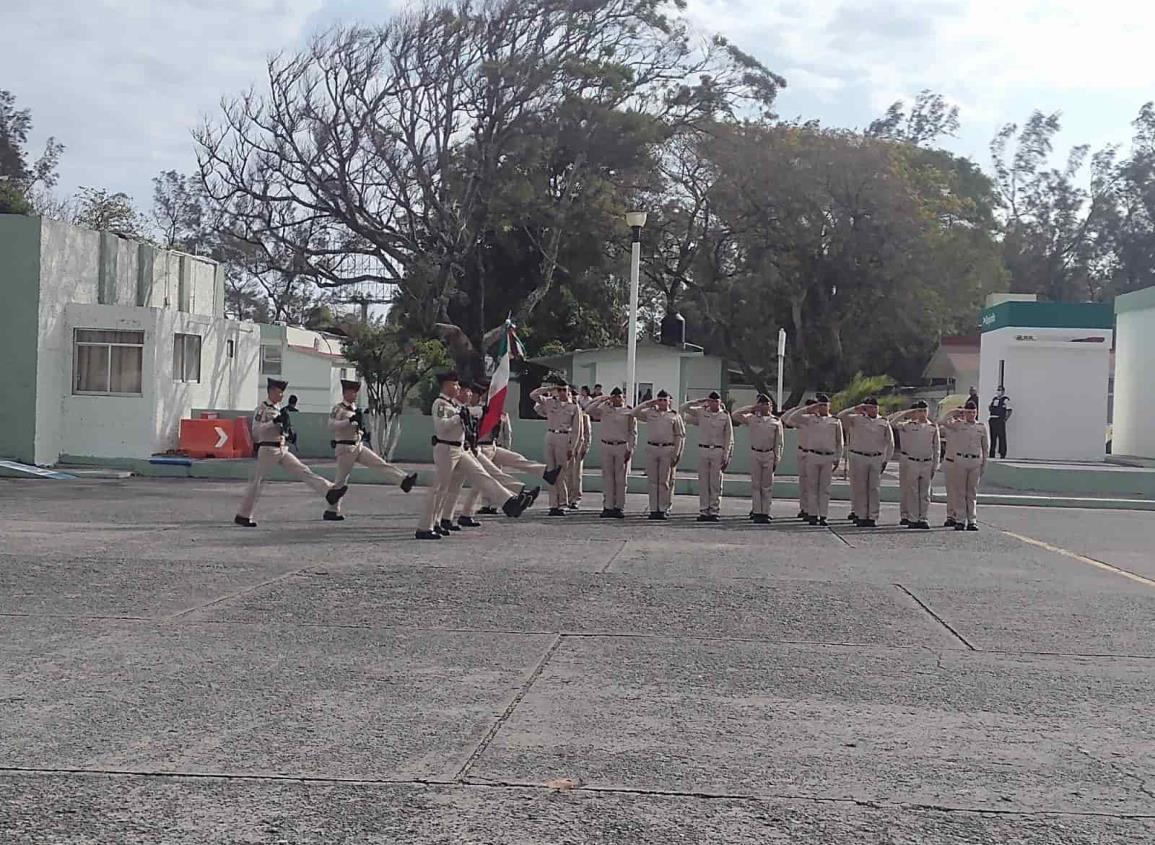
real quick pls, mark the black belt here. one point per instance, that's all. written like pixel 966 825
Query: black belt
pixel 615 442
pixel 866 454
pixel 345 442
pixel 560 430
pixel 486 443
pixel 816 452
pixel 920 460
pixel 709 446
pixel 270 444
pixel 752 449
pixel 456 443
pixel 961 455
pixel 660 444
pixel 951 460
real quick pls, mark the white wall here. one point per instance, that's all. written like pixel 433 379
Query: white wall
pixel 312 379
pixel 1134 430
pixel 662 367
pixel 1058 391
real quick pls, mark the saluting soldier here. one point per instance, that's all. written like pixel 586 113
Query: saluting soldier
pixel 918 461
pixel 871 448
pixel 949 473
pixel 347 426
pixel 766 445
pixel 269 426
pixel 715 448
pixel 448 453
pixel 576 467
pixel 563 430
pixel 802 446
pixel 619 436
pixel 970 442
pixel 821 455
pixel 665 441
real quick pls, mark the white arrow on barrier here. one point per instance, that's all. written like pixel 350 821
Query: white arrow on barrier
pixel 222 435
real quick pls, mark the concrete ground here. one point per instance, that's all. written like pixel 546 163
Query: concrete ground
pixel 166 677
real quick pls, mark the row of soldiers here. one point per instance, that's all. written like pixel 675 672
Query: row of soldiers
pixel 860 435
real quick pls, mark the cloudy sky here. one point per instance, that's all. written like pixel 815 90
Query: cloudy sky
pixel 122 82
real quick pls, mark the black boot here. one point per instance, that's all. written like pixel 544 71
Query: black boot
pixel 448 525
pixel 958 526
pixel 905 521
pixel 972 526
pixel 332 516
pixel 812 520
pixel 528 497
pixel 950 522
pixel 468 522
pixel 606 514
pixel 821 521
pixel 487 511
pixel 513 506
pixel 408 481
pixel 335 494
pixel 557 512
pixel 618 513
pixel 550 476
pixel 244 522
pixel 427 535
pixel 852 516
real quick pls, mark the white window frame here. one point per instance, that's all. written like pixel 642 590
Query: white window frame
pixel 181 341
pixel 109 345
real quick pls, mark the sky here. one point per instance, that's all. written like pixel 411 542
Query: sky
pixel 123 82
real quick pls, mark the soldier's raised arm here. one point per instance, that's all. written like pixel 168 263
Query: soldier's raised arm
pixel 779 442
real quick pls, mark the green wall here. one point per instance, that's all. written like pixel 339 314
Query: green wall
pixel 19 322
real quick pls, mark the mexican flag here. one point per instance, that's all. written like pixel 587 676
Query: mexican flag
pixel 499 384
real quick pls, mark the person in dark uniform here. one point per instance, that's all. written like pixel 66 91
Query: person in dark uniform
pixel 1000 409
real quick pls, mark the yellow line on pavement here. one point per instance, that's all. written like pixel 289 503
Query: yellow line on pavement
pixel 1090 561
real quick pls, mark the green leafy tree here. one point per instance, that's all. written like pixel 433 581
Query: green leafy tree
pixel 21 176
pixel 104 211
pixel 862 386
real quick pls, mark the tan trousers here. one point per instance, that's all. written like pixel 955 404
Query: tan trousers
pixel 557 455
pixel 967 474
pixel 659 475
pixel 575 468
pixel 614 476
pixel 505 460
pixel 915 479
pixel 446 460
pixel 449 505
pixel 350 456
pixel 761 481
pixel 865 480
pixel 819 471
pixel 803 481
pixel 710 480
pixel 949 473
pixel 269 457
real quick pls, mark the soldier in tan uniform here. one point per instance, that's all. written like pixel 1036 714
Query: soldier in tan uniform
pixel 715 448
pixel 802 446
pixel 577 466
pixel 918 461
pixel 970 444
pixel 349 435
pixel 821 455
pixel 870 450
pixel 766 446
pixel 618 430
pixel 949 477
pixel 563 430
pixel 665 441
pixel 448 453
pixel 271 450
pixel 497 447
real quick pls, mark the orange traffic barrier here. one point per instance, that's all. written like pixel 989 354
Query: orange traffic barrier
pixel 214 438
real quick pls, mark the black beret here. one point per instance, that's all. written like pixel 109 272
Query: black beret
pixel 821 398
pixel 449 376
pixel 663 395
pixel 763 399
pixel 971 405
pixel 810 402
pixel 920 405
pixel 617 391
pixel 349 384
pixel 870 400
pixel 277 383
pixel 714 395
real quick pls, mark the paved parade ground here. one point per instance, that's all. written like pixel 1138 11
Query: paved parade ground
pixel 166 677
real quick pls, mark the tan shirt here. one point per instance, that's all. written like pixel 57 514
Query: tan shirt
pixel 715 427
pixel 822 434
pixel 264 429
pixel 661 426
pixel 967 439
pixel 447 420
pixel 618 425
pixel 919 440
pixel 766 433
pixel 868 435
pixel 564 417
pixel 341 425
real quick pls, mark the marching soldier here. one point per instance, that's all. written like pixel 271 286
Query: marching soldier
pixel 448 453
pixel 918 461
pixel 347 426
pixel 766 445
pixel 665 441
pixel 715 448
pixel 803 446
pixel 270 423
pixel 871 448
pixel 497 448
pixel 821 455
pixel 619 436
pixel 970 443
pixel 577 466
pixel 564 425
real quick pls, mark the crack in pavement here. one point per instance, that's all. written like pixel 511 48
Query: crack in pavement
pixel 937 618
pixel 614 557
pixel 1143 787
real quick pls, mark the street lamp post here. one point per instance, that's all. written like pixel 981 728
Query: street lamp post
pixel 635 220
pixel 781 362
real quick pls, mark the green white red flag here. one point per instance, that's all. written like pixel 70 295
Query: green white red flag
pixel 508 347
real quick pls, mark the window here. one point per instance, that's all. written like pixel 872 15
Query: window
pixel 271 360
pixel 107 362
pixel 186 357
pixel 231 348
pixel 645 391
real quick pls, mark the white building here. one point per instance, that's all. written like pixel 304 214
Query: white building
pixel 685 372
pixel 310 361
pixel 1134 427
pixel 110 342
pixel 1054 359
